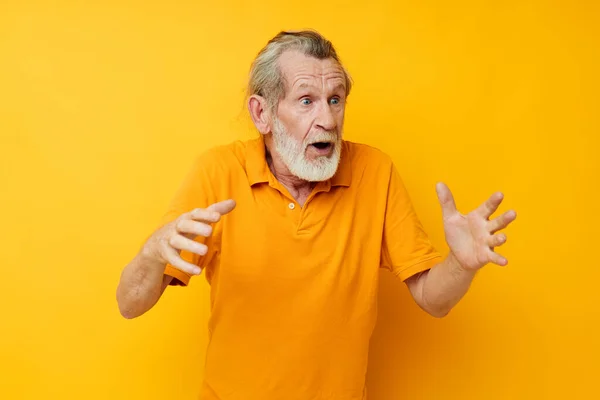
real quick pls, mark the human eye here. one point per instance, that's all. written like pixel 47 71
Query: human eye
pixel 305 101
pixel 335 101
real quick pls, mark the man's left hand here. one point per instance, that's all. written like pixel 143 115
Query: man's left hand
pixel 473 237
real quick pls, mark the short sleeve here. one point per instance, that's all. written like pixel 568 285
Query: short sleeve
pixel 195 191
pixel 406 248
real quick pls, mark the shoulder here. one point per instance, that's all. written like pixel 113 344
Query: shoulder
pixel 367 158
pixel 222 159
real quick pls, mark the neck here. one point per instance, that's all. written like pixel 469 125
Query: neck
pixel 298 188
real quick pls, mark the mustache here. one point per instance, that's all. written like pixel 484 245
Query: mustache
pixel 324 136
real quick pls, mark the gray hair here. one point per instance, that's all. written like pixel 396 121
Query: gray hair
pixel 265 76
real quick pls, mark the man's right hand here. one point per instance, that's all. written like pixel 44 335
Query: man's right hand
pixel 166 244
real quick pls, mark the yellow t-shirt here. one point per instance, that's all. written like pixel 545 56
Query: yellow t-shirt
pixel 294 289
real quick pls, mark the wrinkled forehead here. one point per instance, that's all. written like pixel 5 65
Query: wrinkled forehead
pixel 301 72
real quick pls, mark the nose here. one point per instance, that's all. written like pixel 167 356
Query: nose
pixel 325 118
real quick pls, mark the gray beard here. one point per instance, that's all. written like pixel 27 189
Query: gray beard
pixel 293 155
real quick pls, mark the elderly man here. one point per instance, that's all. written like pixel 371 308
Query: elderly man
pixel 291 229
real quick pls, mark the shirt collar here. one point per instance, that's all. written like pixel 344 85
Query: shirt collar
pixel 257 169
pixel 256 162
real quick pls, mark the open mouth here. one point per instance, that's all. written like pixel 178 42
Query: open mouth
pixel 322 145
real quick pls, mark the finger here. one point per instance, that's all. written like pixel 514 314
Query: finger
pixel 182 243
pixel 205 215
pixel 498 259
pixel 191 228
pixel 175 260
pixel 446 199
pixel 502 221
pixel 223 207
pixel 491 205
pixel 497 240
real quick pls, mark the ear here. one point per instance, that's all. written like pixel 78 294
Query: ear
pixel 260 114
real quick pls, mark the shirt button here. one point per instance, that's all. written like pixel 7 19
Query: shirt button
pixel 291 206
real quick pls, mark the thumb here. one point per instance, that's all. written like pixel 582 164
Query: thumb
pixel 222 207
pixel 446 199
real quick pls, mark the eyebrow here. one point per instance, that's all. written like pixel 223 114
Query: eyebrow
pixel 305 86
pixel 308 86
pixel 340 86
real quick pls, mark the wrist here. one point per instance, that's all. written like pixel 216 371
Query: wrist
pixel 456 267
pixel 150 257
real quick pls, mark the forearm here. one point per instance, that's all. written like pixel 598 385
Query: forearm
pixel 140 286
pixel 444 285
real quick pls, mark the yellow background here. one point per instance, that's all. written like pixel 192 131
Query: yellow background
pixel 104 104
